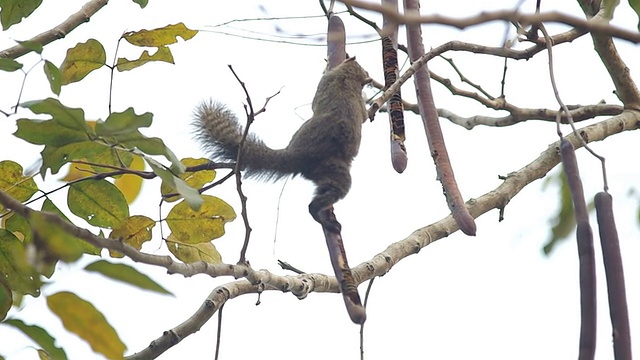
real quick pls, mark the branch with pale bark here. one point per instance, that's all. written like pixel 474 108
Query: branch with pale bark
pixel 58 32
pixel 302 285
pixel 592 25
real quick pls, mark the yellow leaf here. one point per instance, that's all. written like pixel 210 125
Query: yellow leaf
pixel 78 171
pixel 81 60
pixel 195 179
pixel 190 253
pixel 193 227
pixel 159 37
pixel 130 184
pixel 83 319
pixel 14 183
pixel 134 231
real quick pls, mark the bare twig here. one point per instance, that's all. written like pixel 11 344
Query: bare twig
pixel 243 199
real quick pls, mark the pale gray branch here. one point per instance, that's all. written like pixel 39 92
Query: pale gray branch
pixel 382 263
pixel 58 32
pixel 501 15
pixel 626 88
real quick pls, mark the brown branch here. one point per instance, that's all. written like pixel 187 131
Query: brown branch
pixel 516 114
pixel 58 32
pixel 626 88
pixel 473 48
pixel 500 15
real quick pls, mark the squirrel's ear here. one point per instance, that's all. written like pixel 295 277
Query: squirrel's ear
pixel 353 58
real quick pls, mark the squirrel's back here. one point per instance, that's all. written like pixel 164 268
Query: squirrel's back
pixel 331 136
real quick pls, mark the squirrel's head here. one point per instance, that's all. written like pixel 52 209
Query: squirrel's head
pixel 352 71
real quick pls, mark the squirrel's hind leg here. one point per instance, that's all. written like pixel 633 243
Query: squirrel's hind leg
pixel 333 182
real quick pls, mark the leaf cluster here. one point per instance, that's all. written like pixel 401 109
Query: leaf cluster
pixel 106 160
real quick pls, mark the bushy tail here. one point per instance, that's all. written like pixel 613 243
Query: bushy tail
pixel 219 132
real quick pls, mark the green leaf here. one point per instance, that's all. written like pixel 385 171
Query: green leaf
pixel 55 157
pixel 151 146
pixel 98 202
pixel 161 36
pixel 19 276
pixel 49 206
pixel 126 274
pixel 610 7
pixel 53 76
pixel 32 45
pixel 14 183
pixel 48 132
pixel 81 60
pixel 142 3
pixel 194 227
pixel 70 118
pixel 83 319
pixel 9 64
pixel 635 5
pixel 565 221
pixel 123 123
pixel 190 253
pixel 191 195
pixel 163 54
pixel 40 336
pixel 6 300
pixel 19 226
pixel 14 10
pixel 52 242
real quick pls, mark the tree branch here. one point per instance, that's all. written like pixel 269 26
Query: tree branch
pixel 500 15
pixel 58 32
pixel 380 264
pixel 626 88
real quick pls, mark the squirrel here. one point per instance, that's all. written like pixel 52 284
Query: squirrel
pixel 321 150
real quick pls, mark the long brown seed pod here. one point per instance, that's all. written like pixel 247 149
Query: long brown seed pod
pixel 395 106
pixel 615 276
pixel 431 122
pixel 586 257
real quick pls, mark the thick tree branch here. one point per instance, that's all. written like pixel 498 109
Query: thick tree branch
pixel 58 32
pixel 500 15
pixel 382 263
pixel 379 265
pixel 495 199
pixel 626 88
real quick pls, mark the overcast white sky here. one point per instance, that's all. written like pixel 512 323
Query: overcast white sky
pixel 493 296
